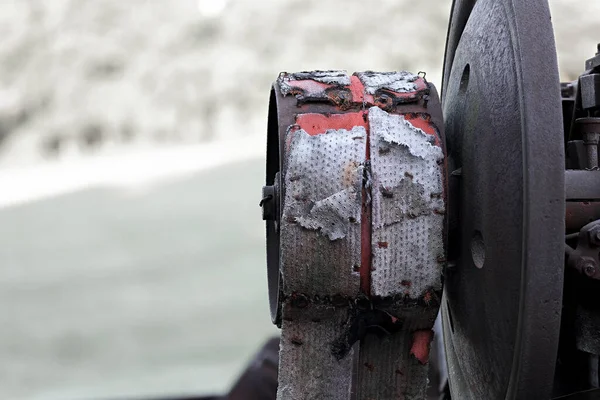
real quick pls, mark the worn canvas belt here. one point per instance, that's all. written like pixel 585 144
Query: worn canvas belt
pixel 361 233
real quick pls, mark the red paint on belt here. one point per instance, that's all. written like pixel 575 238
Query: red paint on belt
pixel 424 124
pixel 421 341
pixel 359 95
pixel 316 124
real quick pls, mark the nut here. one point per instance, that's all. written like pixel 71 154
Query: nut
pixel 587 266
pixel 268 203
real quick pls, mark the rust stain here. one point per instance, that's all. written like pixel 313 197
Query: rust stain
pixel 406 283
pixel 427 297
pixel 370 366
pixel 421 342
pixel 382 245
pixel 349 176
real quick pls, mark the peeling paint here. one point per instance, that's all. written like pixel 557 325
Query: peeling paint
pixel 332 216
pixel 407 206
pixel 323 176
pixel 396 129
pixel 362 220
pixel 409 201
pixel 288 82
pixel 400 82
pixel 336 77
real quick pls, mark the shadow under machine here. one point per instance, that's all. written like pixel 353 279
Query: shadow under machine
pixel 386 205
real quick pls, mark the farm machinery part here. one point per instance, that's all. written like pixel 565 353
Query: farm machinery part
pixel 386 207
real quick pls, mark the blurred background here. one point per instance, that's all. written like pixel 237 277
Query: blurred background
pixel 131 160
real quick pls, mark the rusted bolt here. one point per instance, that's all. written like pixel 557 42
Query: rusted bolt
pixel 589 271
pixel 385 101
pixel 587 265
pixel 341 98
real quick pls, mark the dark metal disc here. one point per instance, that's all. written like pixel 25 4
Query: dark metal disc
pixel 503 287
pixel 272 226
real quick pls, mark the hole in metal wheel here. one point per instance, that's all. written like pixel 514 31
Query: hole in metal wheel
pixel 478 249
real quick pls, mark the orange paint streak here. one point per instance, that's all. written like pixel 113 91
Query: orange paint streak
pixel 359 95
pixel 421 342
pixel 358 90
pixel 317 124
pixel 419 122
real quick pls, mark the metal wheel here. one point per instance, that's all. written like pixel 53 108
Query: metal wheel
pixel 503 122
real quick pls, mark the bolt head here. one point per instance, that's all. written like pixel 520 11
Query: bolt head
pixel 587 266
pixel 589 270
pixel 269 203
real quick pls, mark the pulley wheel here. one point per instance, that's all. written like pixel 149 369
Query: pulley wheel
pixel 503 287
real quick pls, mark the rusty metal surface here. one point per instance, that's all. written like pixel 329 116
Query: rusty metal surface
pixel 362 188
pixel 580 213
pixel 585 256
